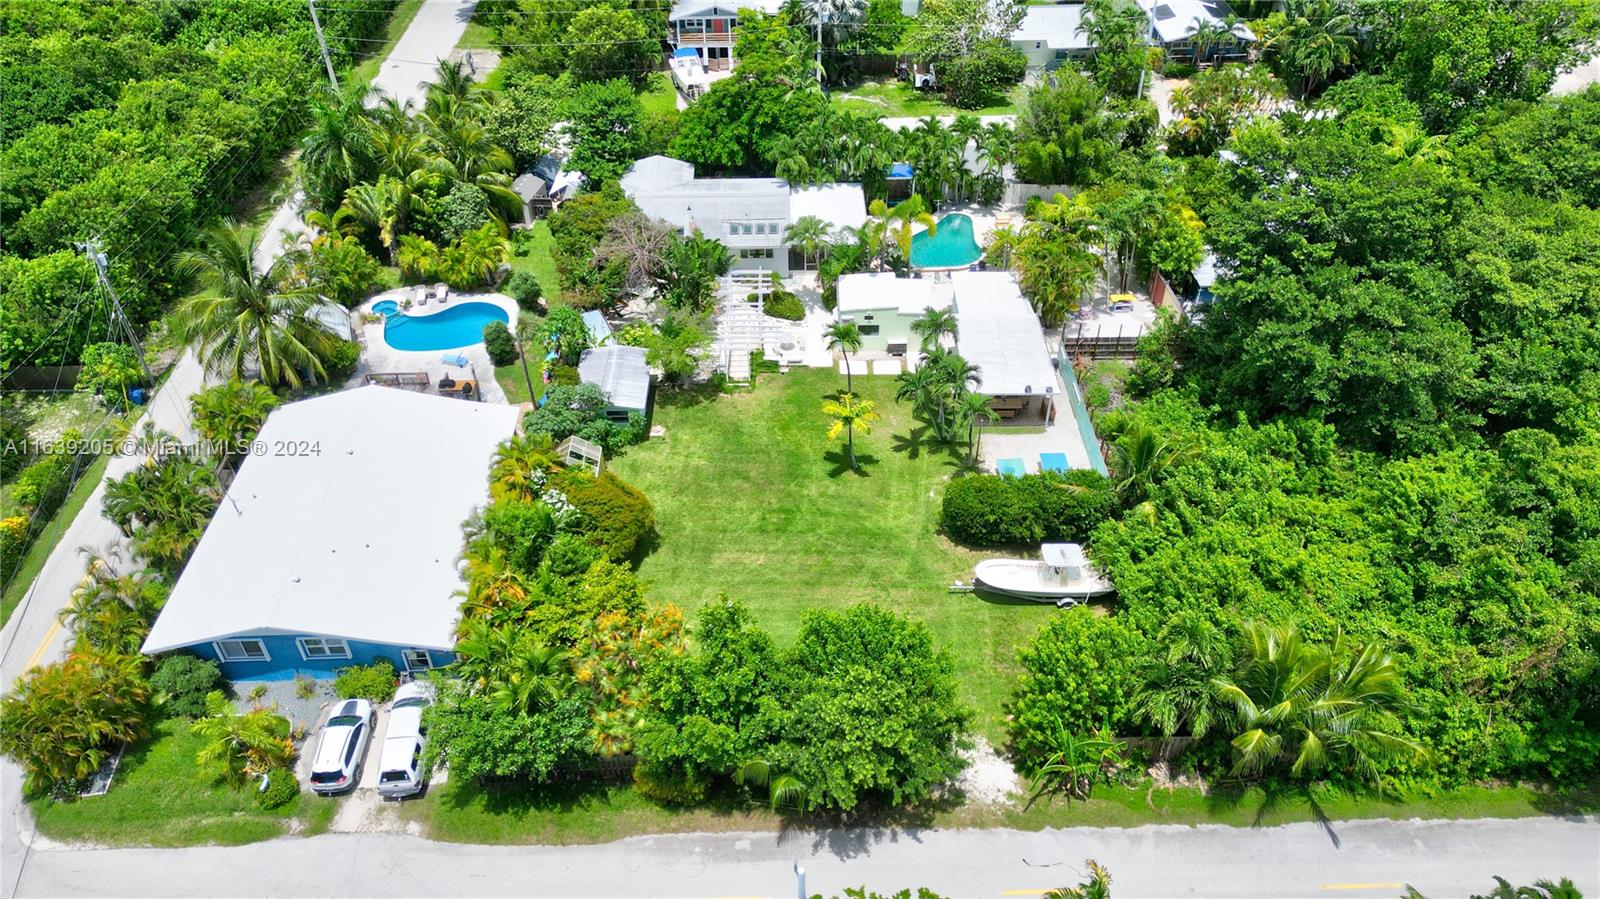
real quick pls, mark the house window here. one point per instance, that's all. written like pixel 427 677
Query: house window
pixel 868 330
pixel 417 659
pixel 745 228
pixel 323 648
pixel 242 651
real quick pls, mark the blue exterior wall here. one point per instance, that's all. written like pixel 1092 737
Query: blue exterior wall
pixel 286 663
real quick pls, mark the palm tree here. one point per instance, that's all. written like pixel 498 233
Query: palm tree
pixel 845 338
pixel 1542 889
pixel 230 415
pixel 810 234
pixel 902 218
pixel 1408 142
pixel 1141 457
pixel 510 666
pixel 933 326
pixel 1075 763
pixel 1177 692
pixel 1098 886
pixel 238 746
pixel 918 387
pixel 849 413
pixel 246 316
pixel 108 610
pixel 385 206
pixel 337 152
pixel 1318 37
pixel 418 257
pixel 956 377
pixel 520 467
pixel 971 409
pixel 1313 709
pixel 782 789
pixel 472 260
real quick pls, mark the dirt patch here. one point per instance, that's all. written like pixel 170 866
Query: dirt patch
pixel 989 779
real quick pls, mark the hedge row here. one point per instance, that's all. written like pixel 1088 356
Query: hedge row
pixel 991 510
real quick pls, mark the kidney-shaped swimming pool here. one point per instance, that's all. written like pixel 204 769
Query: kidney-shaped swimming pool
pixel 452 328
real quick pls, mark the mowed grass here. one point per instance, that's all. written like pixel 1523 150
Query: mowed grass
pixel 659 97
pixel 159 799
pixel 533 250
pixel 894 98
pixel 753 501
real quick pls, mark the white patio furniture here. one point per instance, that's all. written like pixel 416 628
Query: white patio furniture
pixel 441 291
pixel 422 296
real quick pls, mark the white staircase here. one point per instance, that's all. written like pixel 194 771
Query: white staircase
pixel 741 325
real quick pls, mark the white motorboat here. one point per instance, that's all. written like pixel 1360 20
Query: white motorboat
pixel 1063 576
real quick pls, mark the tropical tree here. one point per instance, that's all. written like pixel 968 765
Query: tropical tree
pixel 933 326
pixel 385 206
pixel 783 789
pixel 521 466
pixel 1305 709
pixel 1141 457
pixel 248 318
pixel 61 722
pixel 337 150
pixel 1178 692
pixel 689 272
pixel 110 611
pixel 810 234
pixel 1317 38
pixel 511 666
pixel 238 747
pixel 1075 763
pixel 970 410
pixel 1098 886
pixel 848 414
pixel 902 218
pixel 844 337
pixel 418 257
pixel 473 260
pixel 228 416
pixel 955 378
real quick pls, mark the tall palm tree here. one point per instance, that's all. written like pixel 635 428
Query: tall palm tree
pixel 1317 38
pixel 970 410
pixel 810 234
pixel 848 414
pixel 933 326
pixel 1177 692
pixel 955 379
pixel 247 317
pixel 902 218
pixel 385 206
pixel 844 337
pixel 1311 709
pixel 238 746
pixel 337 151
pixel 918 387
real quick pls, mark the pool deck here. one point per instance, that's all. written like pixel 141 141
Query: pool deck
pixel 378 356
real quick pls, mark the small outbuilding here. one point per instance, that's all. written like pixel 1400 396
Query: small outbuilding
pixel 337 543
pixel 535 194
pixel 884 306
pixel 621 371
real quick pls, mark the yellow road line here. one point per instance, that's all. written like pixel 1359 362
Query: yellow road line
pixel 1360 886
pixel 44 644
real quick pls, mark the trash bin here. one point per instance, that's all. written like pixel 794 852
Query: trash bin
pixel 137 396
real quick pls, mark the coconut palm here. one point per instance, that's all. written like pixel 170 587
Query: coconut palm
pixel 1098 886
pixel 246 317
pixel 902 218
pixel 1177 694
pixel 810 234
pixel 1141 457
pixel 782 789
pixel 385 206
pixel 955 378
pixel 1308 709
pixel 238 746
pixel 969 411
pixel 848 414
pixel 1407 141
pixel 933 326
pixel 845 338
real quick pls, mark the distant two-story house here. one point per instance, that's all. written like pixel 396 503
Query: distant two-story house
pixel 748 215
pixel 707 26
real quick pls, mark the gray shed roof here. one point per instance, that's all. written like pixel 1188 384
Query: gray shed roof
pixel 530 187
pixel 621 372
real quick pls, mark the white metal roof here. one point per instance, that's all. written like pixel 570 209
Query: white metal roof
pixel 1056 26
pixel 620 371
pixel 882 290
pixel 1174 20
pixel 706 9
pixel 998 332
pixel 840 205
pixel 348 524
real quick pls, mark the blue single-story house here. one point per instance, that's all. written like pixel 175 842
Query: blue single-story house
pixel 338 544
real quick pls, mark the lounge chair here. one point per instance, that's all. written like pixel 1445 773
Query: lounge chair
pixel 441 291
pixel 422 296
pixel 1053 462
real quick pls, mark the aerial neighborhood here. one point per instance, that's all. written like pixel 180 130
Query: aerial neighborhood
pixel 799 426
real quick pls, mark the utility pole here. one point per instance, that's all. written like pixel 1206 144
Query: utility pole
pixel 317 24
pixel 92 250
pixel 820 6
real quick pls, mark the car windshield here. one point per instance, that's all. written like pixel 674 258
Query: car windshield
pixel 390 777
pixel 326 777
pixel 412 703
pixel 344 721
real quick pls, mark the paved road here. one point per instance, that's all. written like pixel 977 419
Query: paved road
pixel 1579 78
pixel 1367 859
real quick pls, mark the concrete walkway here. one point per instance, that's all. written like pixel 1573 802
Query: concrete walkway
pixel 1365 860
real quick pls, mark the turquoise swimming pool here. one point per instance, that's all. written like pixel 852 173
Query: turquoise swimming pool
pixel 951 246
pixel 455 327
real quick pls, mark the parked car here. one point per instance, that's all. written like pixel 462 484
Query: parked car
pixel 400 771
pixel 340 750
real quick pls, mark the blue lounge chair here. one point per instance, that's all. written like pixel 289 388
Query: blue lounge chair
pixel 1011 468
pixel 456 359
pixel 1053 462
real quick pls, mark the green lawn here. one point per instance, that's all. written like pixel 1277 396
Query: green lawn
pixel 752 501
pixel 478 35
pixel 50 536
pixel 515 383
pixel 887 99
pixel 533 251
pixel 158 799
pixel 659 96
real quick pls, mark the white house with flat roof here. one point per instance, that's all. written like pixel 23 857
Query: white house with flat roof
pixel 337 544
pixel 883 308
pixel 748 215
pixel 1048 35
pixel 1173 24
pixel 998 332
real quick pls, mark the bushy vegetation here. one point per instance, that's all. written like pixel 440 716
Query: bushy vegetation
pixel 616 516
pixel 501 345
pixel 375 681
pixel 181 682
pixel 783 304
pixel 580 410
pixel 992 510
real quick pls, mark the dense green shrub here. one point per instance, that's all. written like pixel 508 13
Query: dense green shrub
pixel 42 486
pixel 525 289
pixel 581 410
pixel 563 375
pixel 463 209
pixel 501 345
pixel 110 370
pixel 1078 677
pixel 782 304
pixel 282 787
pixel 181 681
pixel 991 510
pixel 341 361
pixel 484 740
pixel 616 514
pixel 375 682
